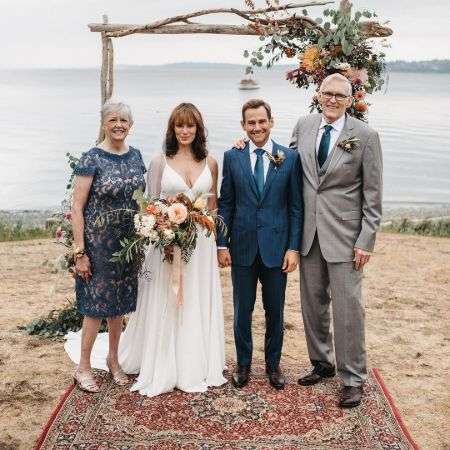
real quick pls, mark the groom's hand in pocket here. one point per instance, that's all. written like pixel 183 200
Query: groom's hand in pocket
pixel 224 257
pixel 291 260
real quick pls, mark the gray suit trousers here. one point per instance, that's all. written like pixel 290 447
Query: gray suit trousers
pixel 321 284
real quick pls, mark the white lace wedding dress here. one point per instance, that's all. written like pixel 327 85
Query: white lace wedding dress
pixel 172 346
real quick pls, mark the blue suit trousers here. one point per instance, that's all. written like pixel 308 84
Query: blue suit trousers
pixel 273 282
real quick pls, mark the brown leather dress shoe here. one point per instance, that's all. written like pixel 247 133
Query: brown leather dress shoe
pixel 351 396
pixel 276 378
pixel 316 375
pixel 241 376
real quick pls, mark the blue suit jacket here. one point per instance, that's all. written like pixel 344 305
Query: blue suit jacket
pixel 271 223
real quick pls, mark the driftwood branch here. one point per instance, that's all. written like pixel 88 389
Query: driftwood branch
pixel 107 73
pixel 110 79
pixel 369 29
pixel 246 14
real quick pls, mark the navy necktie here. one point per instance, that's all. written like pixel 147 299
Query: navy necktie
pixel 324 145
pixel 259 170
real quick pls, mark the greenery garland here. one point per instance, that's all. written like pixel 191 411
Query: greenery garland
pixel 58 322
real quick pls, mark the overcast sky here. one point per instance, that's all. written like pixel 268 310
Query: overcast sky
pixel 54 33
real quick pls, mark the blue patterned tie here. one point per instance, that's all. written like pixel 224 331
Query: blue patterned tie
pixel 324 145
pixel 259 170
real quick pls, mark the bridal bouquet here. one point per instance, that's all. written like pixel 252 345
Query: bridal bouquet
pixel 168 224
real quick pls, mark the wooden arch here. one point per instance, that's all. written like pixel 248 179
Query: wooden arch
pixel 182 24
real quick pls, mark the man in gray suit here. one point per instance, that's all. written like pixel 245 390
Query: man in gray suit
pixel 342 189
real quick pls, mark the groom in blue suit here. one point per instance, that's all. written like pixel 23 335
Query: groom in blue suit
pixel 261 204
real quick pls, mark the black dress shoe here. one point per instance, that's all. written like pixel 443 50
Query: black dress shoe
pixel 240 376
pixel 351 396
pixel 316 375
pixel 276 378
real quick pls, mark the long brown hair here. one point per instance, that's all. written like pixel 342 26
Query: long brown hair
pixel 186 113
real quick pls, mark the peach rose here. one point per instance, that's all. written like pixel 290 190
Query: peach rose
pixel 361 107
pixel 357 76
pixel 177 213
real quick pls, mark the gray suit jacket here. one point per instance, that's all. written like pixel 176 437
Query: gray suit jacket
pixel 342 203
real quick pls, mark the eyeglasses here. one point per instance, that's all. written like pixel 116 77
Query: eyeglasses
pixel 339 97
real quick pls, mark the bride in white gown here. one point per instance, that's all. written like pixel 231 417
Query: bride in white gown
pixel 170 345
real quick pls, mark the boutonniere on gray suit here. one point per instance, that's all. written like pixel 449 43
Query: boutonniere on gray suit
pixel 349 145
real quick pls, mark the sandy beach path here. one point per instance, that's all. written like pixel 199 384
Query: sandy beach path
pixel 407 295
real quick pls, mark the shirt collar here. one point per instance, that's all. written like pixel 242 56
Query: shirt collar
pixel 337 125
pixel 267 147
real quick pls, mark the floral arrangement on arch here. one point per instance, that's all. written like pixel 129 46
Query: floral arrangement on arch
pixel 335 45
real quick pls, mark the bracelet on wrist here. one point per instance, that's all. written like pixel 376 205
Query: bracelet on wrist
pixel 78 253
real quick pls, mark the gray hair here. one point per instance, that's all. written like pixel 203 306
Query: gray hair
pixel 111 107
pixel 337 77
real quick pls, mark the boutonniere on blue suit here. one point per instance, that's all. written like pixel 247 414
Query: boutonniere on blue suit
pixel 349 145
pixel 276 159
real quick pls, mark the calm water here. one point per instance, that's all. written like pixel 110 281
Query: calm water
pixel 46 113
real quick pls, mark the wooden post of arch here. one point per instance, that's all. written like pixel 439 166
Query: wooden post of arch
pixel 107 72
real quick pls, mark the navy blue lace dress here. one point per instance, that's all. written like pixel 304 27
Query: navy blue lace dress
pixel 112 290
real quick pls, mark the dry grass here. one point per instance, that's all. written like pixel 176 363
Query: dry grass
pixel 407 293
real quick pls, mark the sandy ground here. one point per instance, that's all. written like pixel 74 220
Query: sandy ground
pixel 407 293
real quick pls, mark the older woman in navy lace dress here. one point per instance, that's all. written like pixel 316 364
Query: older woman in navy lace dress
pixel 106 177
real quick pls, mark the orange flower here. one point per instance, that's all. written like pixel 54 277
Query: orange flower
pixel 152 209
pixel 311 59
pixel 336 50
pixel 361 107
pixel 359 95
pixel 289 52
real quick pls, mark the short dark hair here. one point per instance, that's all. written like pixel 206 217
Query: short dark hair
pixel 186 113
pixel 255 103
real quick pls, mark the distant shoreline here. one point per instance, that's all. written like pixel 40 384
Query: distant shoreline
pixel 391 211
pixel 400 66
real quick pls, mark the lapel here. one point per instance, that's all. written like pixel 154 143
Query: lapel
pixel 337 152
pixel 271 173
pixel 244 159
pixel 310 149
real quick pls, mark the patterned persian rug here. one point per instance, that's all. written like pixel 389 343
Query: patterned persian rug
pixel 254 418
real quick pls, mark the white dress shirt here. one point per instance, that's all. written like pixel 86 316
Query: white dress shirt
pixel 337 125
pixel 266 161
